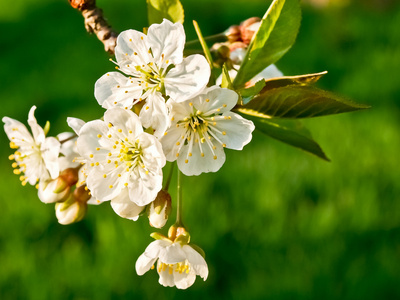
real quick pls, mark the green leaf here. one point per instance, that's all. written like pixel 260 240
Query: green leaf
pixel 249 93
pixel 226 79
pixel 289 80
pixel 293 134
pixel 277 33
pixel 157 10
pixel 298 101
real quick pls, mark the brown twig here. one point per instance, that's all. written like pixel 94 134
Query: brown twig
pixel 96 23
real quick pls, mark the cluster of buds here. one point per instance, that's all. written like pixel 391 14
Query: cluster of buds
pixel 239 38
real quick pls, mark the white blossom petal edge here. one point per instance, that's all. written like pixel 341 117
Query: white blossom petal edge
pixel 36 155
pixel 124 164
pixel 177 264
pixel 201 128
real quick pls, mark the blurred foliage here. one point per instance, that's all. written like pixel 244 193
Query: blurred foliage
pixel 274 222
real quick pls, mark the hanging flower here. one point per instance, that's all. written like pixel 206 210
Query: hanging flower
pixel 155 68
pixel 178 264
pixel 36 156
pixel 201 128
pixel 124 164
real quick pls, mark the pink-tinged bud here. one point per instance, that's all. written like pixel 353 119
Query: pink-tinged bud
pixel 53 191
pixel 159 210
pixel 233 34
pixel 70 211
pixel 81 4
pixel 248 28
pixel 70 176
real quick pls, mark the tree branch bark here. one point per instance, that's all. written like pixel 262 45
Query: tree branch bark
pixel 96 23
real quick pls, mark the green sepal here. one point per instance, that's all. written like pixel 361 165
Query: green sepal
pixel 226 79
pixel 206 50
pixel 291 132
pixel 46 128
pixel 298 101
pixel 157 10
pixel 275 36
pixel 159 236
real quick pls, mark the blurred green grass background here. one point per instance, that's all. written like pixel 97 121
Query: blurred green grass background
pixel 275 222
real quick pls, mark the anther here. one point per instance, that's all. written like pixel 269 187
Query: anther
pixel 105 176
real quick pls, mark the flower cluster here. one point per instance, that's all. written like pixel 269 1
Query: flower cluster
pixel 158 109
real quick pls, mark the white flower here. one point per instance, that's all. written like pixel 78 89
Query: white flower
pixel 155 67
pixel 177 264
pixel 201 128
pixel 124 164
pixel 36 156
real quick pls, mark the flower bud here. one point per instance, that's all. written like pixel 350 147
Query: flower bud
pixel 70 211
pixel 53 191
pixel 159 210
pixel 70 176
pixel 220 53
pixel 248 28
pixel 233 33
pixel 238 52
pixel 82 194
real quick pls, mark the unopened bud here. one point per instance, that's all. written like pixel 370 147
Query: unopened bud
pixel 82 194
pixel 70 176
pixel 70 211
pixel 81 4
pixel 233 33
pixel 248 28
pixel 238 52
pixel 220 54
pixel 53 191
pixel 159 210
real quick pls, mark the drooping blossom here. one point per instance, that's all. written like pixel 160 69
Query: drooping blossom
pixel 124 164
pixel 36 155
pixel 178 264
pixel 155 69
pixel 201 128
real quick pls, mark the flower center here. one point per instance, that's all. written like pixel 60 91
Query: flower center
pixel 182 267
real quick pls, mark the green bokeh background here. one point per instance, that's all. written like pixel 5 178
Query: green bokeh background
pixel 275 222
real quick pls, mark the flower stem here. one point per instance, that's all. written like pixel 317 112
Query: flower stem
pixel 219 36
pixel 179 222
pixel 171 171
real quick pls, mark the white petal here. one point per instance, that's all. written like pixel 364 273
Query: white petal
pixel 169 141
pixel 114 89
pixel 184 280
pixel 88 141
pixel 172 254
pixel 125 120
pixel 37 131
pixel 130 42
pixel 168 39
pixel 219 98
pixel 154 114
pixel 17 132
pixel 269 72
pixel 166 279
pixel 50 151
pixel 124 207
pixel 237 130
pixel 153 155
pixel 187 79
pixel 144 187
pixel 104 188
pixel 76 124
pixel 147 259
pixel 212 160
pixel 197 262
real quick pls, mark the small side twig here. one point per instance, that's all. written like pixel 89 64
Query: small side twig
pixel 96 23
